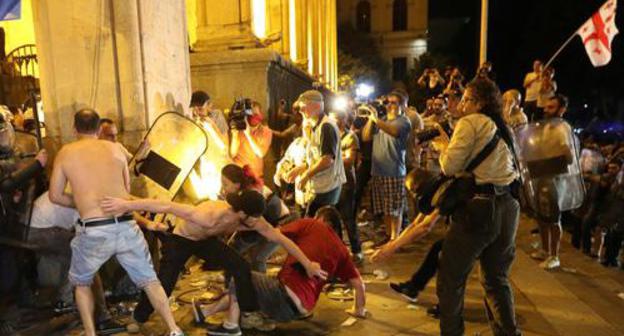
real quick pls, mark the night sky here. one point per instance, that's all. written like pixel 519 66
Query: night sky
pixel 521 31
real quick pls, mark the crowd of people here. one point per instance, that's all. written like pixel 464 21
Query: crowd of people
pixel 468 160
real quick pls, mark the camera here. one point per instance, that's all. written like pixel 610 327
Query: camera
pixel 432 133
pixel 241 109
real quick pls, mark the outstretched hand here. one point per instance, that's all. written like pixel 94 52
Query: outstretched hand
pixel 382 253
pixel 315 270
pixel 114 205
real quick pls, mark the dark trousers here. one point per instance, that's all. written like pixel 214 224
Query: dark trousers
pixel 427 269
pixel 490 240
pixel 533 112
pixel 320 200
pixel 613 244
pixel 363 176
pixel 346 206
pixel 177 250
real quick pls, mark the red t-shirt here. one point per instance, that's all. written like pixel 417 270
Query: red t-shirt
pixel 319 243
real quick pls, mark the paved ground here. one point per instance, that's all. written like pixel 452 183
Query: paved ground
pixel 579 299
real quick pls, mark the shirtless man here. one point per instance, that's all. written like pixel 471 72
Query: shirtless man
pixel 93 169
pixel 198 234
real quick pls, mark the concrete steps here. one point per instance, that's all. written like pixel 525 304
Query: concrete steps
pixel 580 298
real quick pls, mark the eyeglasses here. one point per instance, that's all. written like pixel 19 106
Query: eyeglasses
pixel 467 99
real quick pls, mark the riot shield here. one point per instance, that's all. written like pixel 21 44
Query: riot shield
pixel 549 166
pixel 166 156
pixel 204 181
pixel 592 161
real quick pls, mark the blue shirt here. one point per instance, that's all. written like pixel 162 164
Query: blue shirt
pixel 389 152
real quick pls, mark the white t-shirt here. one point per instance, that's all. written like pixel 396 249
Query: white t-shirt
pixel 47 215
pixel 532 91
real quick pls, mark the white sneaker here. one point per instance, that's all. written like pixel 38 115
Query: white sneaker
pixel 550 263
pixel 539 255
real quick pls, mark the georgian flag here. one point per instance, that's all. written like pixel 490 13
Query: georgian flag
pixel 10 9
pixel 598 32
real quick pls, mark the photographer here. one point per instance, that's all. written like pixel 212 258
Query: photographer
pixel 455 83
pixel 248 146
pixel 432 82
pixel 485 227
pixel 324 172
pixel 389 137
pixel 204 113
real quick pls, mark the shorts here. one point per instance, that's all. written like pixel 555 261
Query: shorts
pixel 273 299
pixel 546 203
pixel 389 195
pixel 93 246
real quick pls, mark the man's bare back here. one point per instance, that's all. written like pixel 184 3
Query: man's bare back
pixel 211 218
pixel 94 169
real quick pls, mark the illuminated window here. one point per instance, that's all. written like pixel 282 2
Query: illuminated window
pixel 363 16
pixel 399 15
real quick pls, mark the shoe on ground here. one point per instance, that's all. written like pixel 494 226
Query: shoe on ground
pixel 223 331
pixel 403 290
pixel 539 255
pixel 434 311
pixel 177 333
pixel 109 327
pixel 550 263
pixel 62 307
pixel 198 315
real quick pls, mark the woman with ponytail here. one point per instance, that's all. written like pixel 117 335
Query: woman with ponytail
pixel 485 228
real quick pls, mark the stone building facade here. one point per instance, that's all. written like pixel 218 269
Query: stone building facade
pixel 399 28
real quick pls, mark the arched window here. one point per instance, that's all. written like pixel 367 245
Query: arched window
pixel 363 16
pixel 399 15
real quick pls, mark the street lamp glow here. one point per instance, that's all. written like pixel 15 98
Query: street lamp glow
pixel 340 103
pixel 364 90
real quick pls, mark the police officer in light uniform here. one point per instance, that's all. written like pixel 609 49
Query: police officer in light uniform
pixel 485 228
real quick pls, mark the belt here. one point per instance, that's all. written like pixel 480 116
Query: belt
pixel 491 189
pixel 106 221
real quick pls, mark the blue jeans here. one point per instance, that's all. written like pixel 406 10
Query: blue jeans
pixel 258 248
pixel 320 200
pixel 93 246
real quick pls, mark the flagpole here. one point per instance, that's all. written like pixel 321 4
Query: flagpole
pixel 561 48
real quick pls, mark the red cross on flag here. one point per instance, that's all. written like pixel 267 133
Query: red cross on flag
pixel 598 32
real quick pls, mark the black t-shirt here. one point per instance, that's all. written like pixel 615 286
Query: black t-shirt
pixel 329 140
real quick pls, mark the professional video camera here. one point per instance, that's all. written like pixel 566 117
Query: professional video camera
pixel 239 112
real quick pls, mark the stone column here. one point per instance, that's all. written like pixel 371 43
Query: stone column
pixel 126 59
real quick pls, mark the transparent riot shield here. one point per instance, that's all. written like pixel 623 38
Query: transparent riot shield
pixel 204 181
pixel 549 165
pixel 166 156
pixel 592 161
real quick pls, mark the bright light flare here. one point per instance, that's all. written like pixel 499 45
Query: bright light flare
pixel 340 103
pixel 205 181
pixel 364 90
